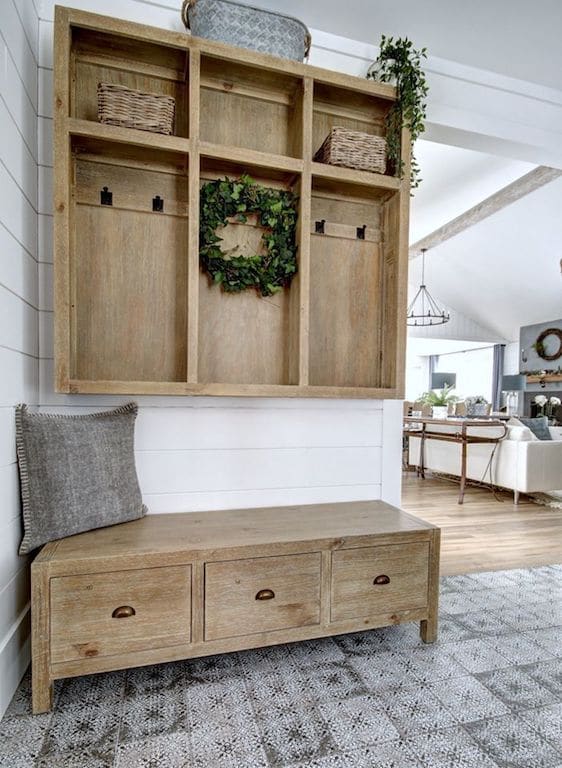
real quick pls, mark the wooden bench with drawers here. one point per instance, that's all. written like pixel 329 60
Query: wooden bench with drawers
pixel 178 586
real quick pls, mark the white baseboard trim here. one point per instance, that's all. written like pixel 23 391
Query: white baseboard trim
pixel 15 656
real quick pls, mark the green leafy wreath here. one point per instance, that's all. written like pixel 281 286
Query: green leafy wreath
pixel 277 214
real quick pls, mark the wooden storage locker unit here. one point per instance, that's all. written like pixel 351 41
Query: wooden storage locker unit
pixel 133 311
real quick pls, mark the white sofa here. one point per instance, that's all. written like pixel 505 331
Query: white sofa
pixel 521 462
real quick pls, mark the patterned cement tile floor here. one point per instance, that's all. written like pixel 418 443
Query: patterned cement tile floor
pixel 487 695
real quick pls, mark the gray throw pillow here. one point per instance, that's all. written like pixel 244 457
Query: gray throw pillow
pixel 77 473
pixel 538 426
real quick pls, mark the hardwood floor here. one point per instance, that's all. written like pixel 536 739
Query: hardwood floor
pixel 484 534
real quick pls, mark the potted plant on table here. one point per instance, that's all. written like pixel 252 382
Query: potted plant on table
pixel 440 400
pixel 399 63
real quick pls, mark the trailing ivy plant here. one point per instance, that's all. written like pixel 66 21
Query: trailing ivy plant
pixel 276 211
pixel 398 61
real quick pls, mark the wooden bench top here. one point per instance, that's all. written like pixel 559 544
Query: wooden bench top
pixel 158 534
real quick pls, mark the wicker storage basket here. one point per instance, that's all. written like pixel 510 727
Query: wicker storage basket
pixel 247 27
pixel 119 105
pixel 353 149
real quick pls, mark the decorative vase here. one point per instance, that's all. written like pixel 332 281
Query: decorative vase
pixel 479 409
pixel 440 411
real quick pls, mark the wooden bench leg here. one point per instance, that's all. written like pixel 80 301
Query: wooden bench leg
pixel 41 683
pixel 428 630
pixel 429 626
pixel 42 693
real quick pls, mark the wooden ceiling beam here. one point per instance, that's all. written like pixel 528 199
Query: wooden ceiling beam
pixel 535 179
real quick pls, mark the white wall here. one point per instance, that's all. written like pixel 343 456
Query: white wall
pixel 474 369
pixel 417 374
pixel 19 345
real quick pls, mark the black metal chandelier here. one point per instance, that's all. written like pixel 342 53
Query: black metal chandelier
pixel 423 309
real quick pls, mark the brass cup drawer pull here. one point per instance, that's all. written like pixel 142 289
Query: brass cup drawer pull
pixel 382 579
pixel 265 594
pixel 123 612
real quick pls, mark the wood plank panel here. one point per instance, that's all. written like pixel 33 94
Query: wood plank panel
pixel 130 289
pixel 242 336
pixel 213 647
pixel 389 324
pixel 61 203
pixel 258 109
pixel 344 329
pixel 192 329
pixel 300 295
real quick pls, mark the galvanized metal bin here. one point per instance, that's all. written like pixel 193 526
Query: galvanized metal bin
pixel 247 27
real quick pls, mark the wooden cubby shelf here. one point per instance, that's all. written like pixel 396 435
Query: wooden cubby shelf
pixel 129 136
pixel 249 157
pixel 346 176
pixel 134 313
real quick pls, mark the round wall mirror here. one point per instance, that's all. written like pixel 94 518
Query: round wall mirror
pixel 549 344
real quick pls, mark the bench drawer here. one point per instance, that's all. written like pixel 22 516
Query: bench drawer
pixel 264 594
pixel 373 580
pixel 106 614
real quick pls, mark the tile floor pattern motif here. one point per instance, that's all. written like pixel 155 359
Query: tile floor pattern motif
pixel 487 695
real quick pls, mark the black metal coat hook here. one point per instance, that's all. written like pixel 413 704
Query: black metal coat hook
pixel 106 197
pixel 158 204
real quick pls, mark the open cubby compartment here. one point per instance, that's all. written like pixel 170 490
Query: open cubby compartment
pixel 245 338
pixel 128 266
pixel 144 66
pixel 350 283
pixel 340 107
pixel 250 107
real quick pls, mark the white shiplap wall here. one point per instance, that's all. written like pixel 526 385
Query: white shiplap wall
pixel 19 301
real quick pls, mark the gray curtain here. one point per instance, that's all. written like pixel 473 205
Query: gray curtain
pixel 433 361
pixel 497 374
